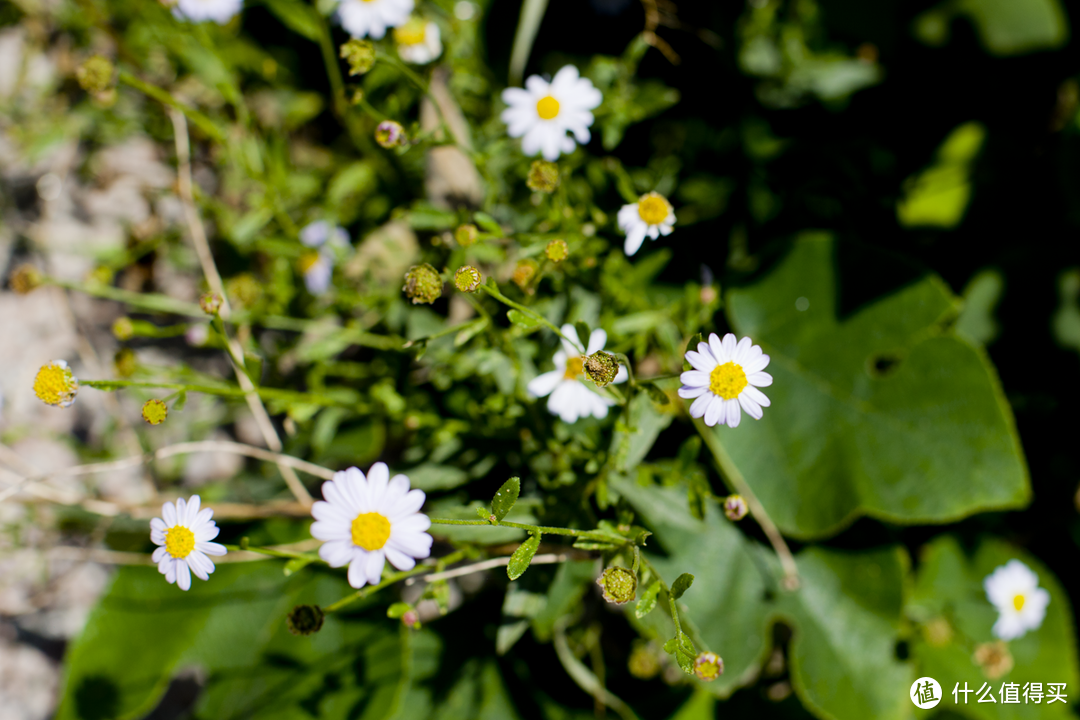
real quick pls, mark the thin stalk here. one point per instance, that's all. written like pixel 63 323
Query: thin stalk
pixel 263 392
pixel 494 292
pixel 390 580
pixel 546 530
pixel 201 121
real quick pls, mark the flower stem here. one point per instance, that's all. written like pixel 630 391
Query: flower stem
pixel 290 396
pixel 390 580
pixel 201 121
pixel 492 289
pixel 546 530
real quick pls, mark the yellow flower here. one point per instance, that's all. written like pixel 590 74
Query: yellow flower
pixel 56 385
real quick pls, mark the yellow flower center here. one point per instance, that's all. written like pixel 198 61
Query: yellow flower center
pixel 727 380
pixel 574 367
pixel 55 385
pixel 411 33
pixel 308 261
pixel 547 107
pixel 653 208
pixel 179 541
pixel 1018 602
pixel 370 531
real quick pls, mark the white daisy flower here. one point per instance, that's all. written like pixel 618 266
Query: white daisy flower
pixel 418 41
pixel 371 18
pixel 184 536
pixel 317 264
pixel 543 112
pixel 651 215
pixel 570 398
pixel 1021 604
pixel 220 11
pixel 726 376
pixel 367 521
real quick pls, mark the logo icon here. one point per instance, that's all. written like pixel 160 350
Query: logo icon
pixel 925 693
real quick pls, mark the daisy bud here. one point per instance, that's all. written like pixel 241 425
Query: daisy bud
pixel 465 235
pixel 543 176
pixel 211 303
pixel 305 619
pixel 245 290
pixel 601 368
pixel 557 251
pixel 155 411
pixel 994 659
pixel 123 328
pixel 390 134
pixel 360 54
pixel 24 279
pixel 708 666
pixel 56 385
pixel 735 507
pixel 95 75
pixel 524 273
pixel 643 662
pixel 619 584
pixel 467 278
pixel 423 284
pixel 125 363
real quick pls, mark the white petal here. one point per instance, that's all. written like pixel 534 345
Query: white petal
pixel 696 378
pixel 328 512
pixel 717 347
pixel 181 512
pixel 374 566
pixel 192 510
pixel 207 532
pixel 700 361
pixel 538 87
pixel 759 379
pixel 183 575
pixel 635 236
pixel 357 573
pixel 742 351
pixel 398 559
pixel 201 520
pixel 533 139
pixel 210 548
pixel 158 524
pixel 714 413
pixel 170 564
pixel 571 343
pixel 687 393
pixel 756 395
pixel 168 512
pixel 1009 627
pixel 417 545
pixel 409 524
pixel 327 530
pixel 734 415
pixel 337 553
pixel 159 554
pixel 756 364
pixel 378 479
pixel 622 375
pixel 597 340
pixel 406 506
pixel 157 537
pixel 395 491
pixel 542 385
pixel 195 561
pixel 699 406
pixel 752 408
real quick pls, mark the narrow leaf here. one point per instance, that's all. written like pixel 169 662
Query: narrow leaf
pixel 398 609
pixel 519 561
pixel 519 318
pixel 506 497
pixel 181 400
pixel 681 585
pixel 487 222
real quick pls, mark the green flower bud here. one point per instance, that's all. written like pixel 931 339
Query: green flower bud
pixel 543 176
pixel 601 368
pixel 735 507
pixel 619 584
pixel 467 278
pixel 390 134
pixel 423 284
pixel 305 619
pixel 465 235
pixel 125 363
pixel 123 328
pixel 210 303
pixel 708 666
pixel 95 75
pixel 155 411
pixel 557 251
pixel 24 279
pixel 360 54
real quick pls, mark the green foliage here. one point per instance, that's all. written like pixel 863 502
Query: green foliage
pixel 519 561
pixel 505 498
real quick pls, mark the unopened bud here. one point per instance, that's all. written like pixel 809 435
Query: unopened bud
pixel 210 303
pixel 735 507
pixel 557 251
pixel 466 235
pixel 524 273
pixel 123 328
pixel 543 176
pixel 125 363
pixel 155 411
pixel 619 584
pixel 601 368
pixel 467 278
pixel 390 134
pixel 994 659
pixel 305 619
pixel 360 54
pixel 708 666
pixel 411 619
pixel 24 279
pixel 95 75
pixel 423 284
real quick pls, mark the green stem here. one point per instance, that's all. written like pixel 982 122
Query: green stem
pixel 546 530
pixel 263 392
pixel 390 580
pixel 274 553
pixel 197 118
pixel 492 290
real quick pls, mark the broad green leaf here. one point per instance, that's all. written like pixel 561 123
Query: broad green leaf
pixel 526 321
pixel 700 706
pixel 681 585
pixel 647 601
pixel 519 561
pixel 939 195
pixel 429 477
pixel 505 498
pixel 955 616
pixel 572 580
pixel 981 296
pixel 478 694
pixel 846 619
pixel 1005 27
pixel 727 607
pixel 878 413
pixel 630 445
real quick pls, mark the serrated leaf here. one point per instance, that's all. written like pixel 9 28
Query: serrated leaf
pixel 681 585
pixel 505 498
pixel 519 561
pixel 897 419
pixel 647 601
pixel 521 319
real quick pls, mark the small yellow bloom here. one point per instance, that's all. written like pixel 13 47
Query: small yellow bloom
pixel 708 666
pixel 155 411
pixel 56 385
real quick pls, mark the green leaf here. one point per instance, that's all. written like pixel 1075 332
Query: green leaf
pixel 681 585
pixel 478 693
pixel 526 321
pixel 982 294
pixel 1005 27
pixel 647 601
pixel 584 333
pixel 397 610
pixel 572 580
pixel 298 17
pixel 630 446
pixel 298 564
pixel 180 402
pixel 877 413
pixel 488 223
pixel 429 477
pixel 954 616
pixel 505 498
pixel 519 561
pixel 939 195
